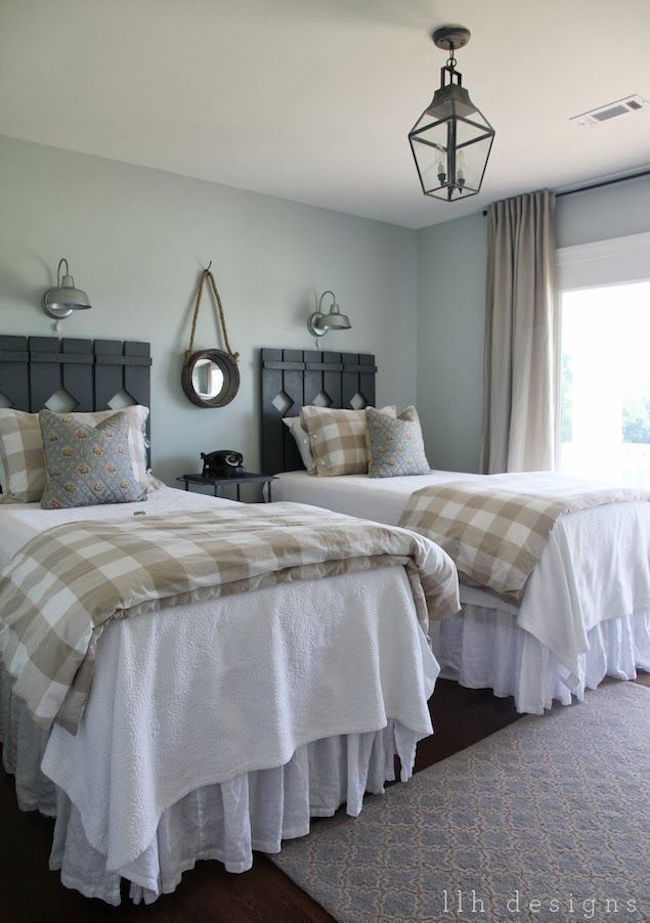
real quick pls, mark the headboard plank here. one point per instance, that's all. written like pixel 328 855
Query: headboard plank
pixel 109 375
pixel 293 381
pixel 45 371
pixel 350 380
pixel 367 378
pixel 136 377
pixel 313 378
pixel 293 378
pixel 293 385
pixel 272 426
pixel 78 377
pixel 14 376
pixel 332 381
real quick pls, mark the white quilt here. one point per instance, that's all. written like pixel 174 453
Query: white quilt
pixel 21 521
pixel 255 676
pixel 595 567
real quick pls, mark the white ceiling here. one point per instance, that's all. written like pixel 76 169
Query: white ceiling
pixel 312 100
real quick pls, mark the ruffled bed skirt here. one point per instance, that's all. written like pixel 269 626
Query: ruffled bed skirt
pixel 226 821
pixel 485 649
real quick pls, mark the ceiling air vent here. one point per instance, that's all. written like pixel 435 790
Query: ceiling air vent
pixel 610 111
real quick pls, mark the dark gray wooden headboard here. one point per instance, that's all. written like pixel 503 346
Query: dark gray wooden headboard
pixel 292 378
pixel 85 375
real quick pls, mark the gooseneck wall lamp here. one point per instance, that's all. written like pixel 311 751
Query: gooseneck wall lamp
pixel 59 302
pixel 451 141
pixel 319 323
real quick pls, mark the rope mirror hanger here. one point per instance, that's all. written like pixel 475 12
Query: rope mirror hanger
pixel 210 377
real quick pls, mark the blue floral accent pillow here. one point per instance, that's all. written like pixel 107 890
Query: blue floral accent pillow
pixel 395 446
pixel 86 465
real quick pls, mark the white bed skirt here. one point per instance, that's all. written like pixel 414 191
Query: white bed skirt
pixel 226 821
pixel 485 649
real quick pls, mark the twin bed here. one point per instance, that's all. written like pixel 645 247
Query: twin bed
pixel 288 698
pixel 285 702
pixel 585 610
pixel 223 724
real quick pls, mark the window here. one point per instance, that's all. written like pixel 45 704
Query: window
pixel 604 407
pixel 605 383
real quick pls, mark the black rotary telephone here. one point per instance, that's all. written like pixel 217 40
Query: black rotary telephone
pixel 225 463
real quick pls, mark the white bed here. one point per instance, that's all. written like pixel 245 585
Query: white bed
pixel 285 703
pixel 585 612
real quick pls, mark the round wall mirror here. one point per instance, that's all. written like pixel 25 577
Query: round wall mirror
pixel 210 378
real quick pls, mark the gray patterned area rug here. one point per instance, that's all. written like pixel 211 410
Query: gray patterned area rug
pixel 547 820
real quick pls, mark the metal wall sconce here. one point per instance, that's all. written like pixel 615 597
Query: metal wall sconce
pixel 59 302
pixel 319 323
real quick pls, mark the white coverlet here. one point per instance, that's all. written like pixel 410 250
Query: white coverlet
pixel 255 811
pixel 256 679
pixel 250 704
pixel 595 567
pixel 226 821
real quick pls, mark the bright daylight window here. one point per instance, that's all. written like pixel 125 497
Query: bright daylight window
pixel 605 383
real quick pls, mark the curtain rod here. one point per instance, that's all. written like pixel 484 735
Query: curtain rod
pixel 599 184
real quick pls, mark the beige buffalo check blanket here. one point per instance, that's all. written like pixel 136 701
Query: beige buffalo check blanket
pixel 496 535
pixel 64 586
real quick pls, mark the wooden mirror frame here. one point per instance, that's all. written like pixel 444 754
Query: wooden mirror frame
pixel 229 371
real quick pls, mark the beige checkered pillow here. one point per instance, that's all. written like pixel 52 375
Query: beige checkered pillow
pixel 338 439
pixel 22 461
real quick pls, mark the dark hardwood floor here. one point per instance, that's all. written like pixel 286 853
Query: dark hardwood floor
pixel 30 893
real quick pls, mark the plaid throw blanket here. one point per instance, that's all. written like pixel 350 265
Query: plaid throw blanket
pixel 63 588
pixel 496 536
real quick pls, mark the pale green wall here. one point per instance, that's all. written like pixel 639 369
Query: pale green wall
pixel 451 285
pixel 136 239
pixel 451 297
pixel 612 211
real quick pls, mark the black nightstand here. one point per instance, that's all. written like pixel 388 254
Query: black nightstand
pixel 237 482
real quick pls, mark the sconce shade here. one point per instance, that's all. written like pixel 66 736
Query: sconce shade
pixel 64 298
pixel 318 323
pixel 337 321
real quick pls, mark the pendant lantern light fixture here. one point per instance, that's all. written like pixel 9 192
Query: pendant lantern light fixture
pixel 451 141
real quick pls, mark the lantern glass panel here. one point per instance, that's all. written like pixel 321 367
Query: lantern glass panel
pixel 453 150
pixel 469 129
pixel 430 150
pixel 470 162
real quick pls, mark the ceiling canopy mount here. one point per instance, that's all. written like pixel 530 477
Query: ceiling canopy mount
pixel 451 37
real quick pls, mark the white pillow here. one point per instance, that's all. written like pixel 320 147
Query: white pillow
pixel 22 459
pixel 302 441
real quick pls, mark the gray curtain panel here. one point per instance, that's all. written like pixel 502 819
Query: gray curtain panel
pixel 520 335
